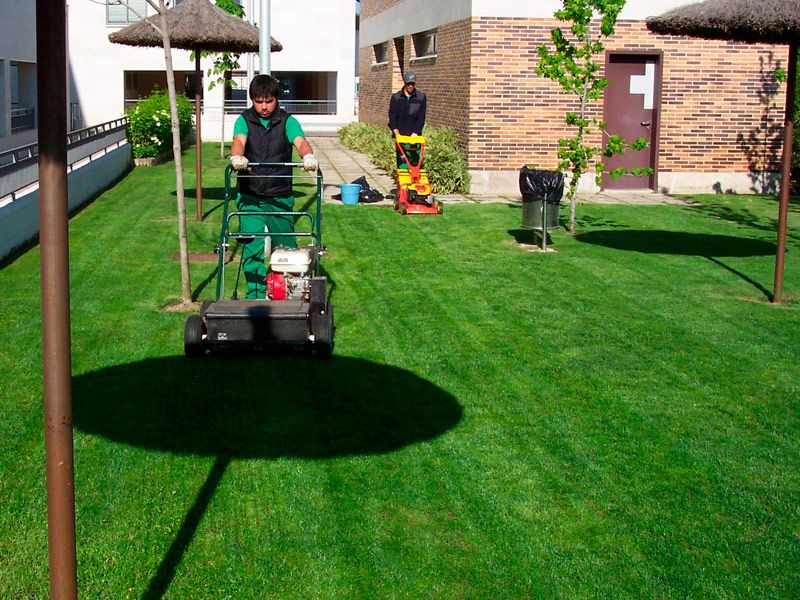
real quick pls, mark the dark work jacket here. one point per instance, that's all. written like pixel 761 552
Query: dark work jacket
pixel 407 114
pixel 267 144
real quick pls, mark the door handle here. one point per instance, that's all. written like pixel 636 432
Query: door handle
pixel 646 123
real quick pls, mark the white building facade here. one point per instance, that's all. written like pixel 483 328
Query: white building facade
pixel 316 66
pixel 17 73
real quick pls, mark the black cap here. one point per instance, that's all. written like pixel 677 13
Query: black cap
pixel 410 78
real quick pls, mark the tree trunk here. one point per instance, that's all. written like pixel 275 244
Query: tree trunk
pixel 573 200
pixel 186 285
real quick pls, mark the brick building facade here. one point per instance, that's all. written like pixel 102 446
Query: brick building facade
pixel 714 117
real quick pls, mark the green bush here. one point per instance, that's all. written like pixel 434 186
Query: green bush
pixel 149 128
pixel 446 165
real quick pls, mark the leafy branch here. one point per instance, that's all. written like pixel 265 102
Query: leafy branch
pixel 572 62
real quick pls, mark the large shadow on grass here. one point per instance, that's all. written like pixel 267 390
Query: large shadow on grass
pixel 262 407
pixel 677 242
pixel 712 247
pixel 266 407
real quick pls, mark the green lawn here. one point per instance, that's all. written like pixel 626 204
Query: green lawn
pixel 617 419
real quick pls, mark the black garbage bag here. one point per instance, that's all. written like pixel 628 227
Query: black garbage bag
pixel 367 194
pixel 541 184
pixel 541 197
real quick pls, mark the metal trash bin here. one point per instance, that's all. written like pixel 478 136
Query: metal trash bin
pixel 541 198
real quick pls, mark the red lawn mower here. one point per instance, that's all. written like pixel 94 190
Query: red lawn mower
pixel 414 191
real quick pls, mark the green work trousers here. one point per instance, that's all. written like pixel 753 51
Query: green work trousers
pixel 253 260
pixel 412 154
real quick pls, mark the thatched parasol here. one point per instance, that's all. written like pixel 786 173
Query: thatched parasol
pixel 196 25
pixel 753 21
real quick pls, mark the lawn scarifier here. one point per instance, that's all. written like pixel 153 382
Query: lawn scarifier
pixel 296 312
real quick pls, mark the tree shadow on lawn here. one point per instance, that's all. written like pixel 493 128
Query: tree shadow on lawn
pixel 682 243
pixel 746 217
pixel 215 194
pixel 209 193
pixel 252 407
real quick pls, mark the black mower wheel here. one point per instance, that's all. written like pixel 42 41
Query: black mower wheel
pixel 193 337
pixel 323 336
pixel 403 209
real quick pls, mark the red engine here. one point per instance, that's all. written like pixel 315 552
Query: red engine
pixel 276 286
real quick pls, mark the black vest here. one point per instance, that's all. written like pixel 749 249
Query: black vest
pixel 267 144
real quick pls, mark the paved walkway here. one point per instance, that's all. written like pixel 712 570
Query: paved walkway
pixel 340 165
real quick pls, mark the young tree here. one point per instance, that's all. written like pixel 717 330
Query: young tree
pixel 573 63
pixel 163 30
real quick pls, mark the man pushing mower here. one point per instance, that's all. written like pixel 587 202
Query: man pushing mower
pixel 407 109
pixel 266 133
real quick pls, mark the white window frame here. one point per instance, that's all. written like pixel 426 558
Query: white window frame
pixel 117 14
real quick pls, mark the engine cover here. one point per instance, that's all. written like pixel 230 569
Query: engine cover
pixel 276 286
pixel 291 260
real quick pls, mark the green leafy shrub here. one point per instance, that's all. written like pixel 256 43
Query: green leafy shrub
pixel 446 165
pixel 149 128
pixel 444 161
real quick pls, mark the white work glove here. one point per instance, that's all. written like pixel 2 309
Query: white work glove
pixel 239 163
pixel 310 162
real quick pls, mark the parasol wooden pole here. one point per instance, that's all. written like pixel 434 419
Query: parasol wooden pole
pixel 198 150
pixel 786 173
pixel 51 75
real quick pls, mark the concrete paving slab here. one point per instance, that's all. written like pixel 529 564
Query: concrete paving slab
pixel 342 165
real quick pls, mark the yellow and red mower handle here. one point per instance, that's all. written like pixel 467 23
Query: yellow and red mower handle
pixel 411 139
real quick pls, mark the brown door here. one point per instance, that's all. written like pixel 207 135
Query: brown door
pixel 630 111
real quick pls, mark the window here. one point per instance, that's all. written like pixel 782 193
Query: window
pixel 381 52
pixel 120 14
pixel 425 43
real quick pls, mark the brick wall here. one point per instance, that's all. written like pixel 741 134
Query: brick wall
pixel 444 79
pixel 517 116
pixel 715 95
pixel 712 97
pixel 377 82
pixel 483 84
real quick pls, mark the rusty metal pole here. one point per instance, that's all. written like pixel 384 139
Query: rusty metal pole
pixel 198 150
pixel 786 173
pixel 54 245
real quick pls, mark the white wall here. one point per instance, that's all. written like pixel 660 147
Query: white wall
pixel 97 66
pixel 17 43
pixel 317 35
pixel 18 30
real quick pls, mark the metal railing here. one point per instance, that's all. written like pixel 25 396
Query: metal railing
pixel 88 134
pixel 74 138
pixel 19 166
pixel 295 107
pixel 75 116
pixel 22 119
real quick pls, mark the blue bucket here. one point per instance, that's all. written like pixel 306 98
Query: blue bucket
pixel 350 192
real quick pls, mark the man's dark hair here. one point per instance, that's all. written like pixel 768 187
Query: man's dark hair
pixel 264 85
